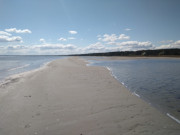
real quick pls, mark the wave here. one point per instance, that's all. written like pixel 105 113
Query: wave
pixel 112 74
pixel 172 117
pixel 134 93
pixel 89 63
pixel 108 68
pixel 12 69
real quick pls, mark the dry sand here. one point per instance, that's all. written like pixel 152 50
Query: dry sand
pixel 68 98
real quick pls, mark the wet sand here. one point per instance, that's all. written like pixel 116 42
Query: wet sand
pixel 68 98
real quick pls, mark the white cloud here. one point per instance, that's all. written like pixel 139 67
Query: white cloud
pixel 16 47
pixel 112 38
pixel 128 29
pixel 42 40
pixel 131 43
pixel 121 46
pixel 72 32
pixel 116 45
pixel 18 31
pixel 10 39
pixel 107 43
pixel 43 49
pixel 94 47
pixel 71 38
pixel 54 46
pixel 13 49
pixel 175 44
pixel 109 38
pixel 98 48
pixel 166 41
pixel 52 49
pixel 59 49
pixel 7 37
pixel 134 45
pixel 123 37
pixel 62 39
pixel 4 33
pixel 99 38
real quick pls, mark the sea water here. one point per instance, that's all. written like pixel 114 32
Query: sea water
pixel 157 81
pixel 14 64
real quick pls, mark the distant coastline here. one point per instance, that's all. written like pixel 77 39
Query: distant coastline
pixel 149 53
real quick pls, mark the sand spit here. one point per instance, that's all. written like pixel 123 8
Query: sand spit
pixel 69 98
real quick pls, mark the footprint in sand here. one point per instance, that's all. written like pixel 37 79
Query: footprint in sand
pixel 27 126
pixel 38 114
pixel 29 96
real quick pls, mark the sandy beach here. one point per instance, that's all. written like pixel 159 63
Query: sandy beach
pixel 66 97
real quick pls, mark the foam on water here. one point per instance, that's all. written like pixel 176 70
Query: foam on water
pixel 108 68
pixel 111 72
pixel 172 117
pixel 134 93
pixel 113 75
pixel 19 67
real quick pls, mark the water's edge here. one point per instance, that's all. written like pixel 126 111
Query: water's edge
pixel 134 93
pixel 10 78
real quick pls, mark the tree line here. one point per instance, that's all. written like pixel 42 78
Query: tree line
pixel 159 52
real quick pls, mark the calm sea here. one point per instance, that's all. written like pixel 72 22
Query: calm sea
pixel 157 81
pixel 10 65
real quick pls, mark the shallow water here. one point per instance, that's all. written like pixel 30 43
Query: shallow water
pixel 157 81
pixel 10 65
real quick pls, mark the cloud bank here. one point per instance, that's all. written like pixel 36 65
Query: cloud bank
pixel 4 38
pixel 104 43
pixel 175 44
pixel 4 33
pixel 61 49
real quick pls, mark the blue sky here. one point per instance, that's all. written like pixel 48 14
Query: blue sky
pixel 84 26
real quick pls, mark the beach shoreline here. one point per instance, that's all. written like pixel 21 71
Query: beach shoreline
pixel 94 59
pixel 68 97
pixel 126 57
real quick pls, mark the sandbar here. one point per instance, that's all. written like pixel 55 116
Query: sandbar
pixel 66 97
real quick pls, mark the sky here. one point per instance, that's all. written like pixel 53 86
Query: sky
pixel 57 27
